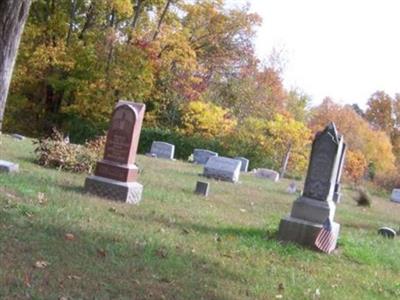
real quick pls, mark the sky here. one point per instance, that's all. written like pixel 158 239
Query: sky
pixel 344 49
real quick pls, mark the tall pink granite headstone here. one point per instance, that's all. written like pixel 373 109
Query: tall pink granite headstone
pixel 115 176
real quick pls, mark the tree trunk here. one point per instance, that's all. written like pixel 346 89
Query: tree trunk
pixel 285 160
pixel 161 19
pixel 13 14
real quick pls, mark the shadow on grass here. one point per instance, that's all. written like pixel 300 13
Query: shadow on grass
pixel 98 265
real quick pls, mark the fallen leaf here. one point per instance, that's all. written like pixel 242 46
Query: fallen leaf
pixel 217 238
pixel 185 231
pixel 279 296
pixel 242 210
pixel 280 287
pixel 163 253
pixel 41 198
pixel 69 237
pixel 74 277
pixel 27 280
pixel 41 264
pixel 101 253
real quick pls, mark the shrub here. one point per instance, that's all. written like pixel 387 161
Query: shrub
pixel 55 152
pixel 363 198
pixel 387 181
pixel 184 145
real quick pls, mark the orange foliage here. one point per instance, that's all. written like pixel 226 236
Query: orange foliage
pixel 355 166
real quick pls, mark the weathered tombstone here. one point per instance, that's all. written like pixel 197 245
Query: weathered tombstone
pixel 8 167
pixel 395 196
pixel 202 188
pixel 267 174
pixel 316 205
pixel 115 176
pixel 245 163
pixel 201 156
pixel 18 136
pixel 222 168
pixel 292 188
pixel 162 150
pixel 387 232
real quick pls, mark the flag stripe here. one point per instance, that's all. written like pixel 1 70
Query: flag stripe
pixel 325 240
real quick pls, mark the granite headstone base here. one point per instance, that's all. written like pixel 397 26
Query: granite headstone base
pixel 129 192
pixel 8 167
pixel 313 210
pixel 303 232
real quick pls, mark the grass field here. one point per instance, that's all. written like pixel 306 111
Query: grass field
pixel 177 245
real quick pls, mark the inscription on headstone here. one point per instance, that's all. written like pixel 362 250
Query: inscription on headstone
pixel 222 168
pixel 115 176
pixel 162 150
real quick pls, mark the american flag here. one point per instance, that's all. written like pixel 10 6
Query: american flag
pixel 325 240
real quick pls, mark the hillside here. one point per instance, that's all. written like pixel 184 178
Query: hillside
pixel 177 245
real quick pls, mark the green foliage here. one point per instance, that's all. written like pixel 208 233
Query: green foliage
pixel 184 145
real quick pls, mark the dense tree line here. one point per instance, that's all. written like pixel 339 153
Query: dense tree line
pixel 193 64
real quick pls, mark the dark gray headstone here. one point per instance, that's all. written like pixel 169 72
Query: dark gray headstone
pixel 8 167
pixel 202 188
pixel 387 232
pixel 319 182
pixel 245 163
pixel 201 156
pixel 321 191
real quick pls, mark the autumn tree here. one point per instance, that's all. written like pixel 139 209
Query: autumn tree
pixel 13 15
pixel 379 112
pixel 359 134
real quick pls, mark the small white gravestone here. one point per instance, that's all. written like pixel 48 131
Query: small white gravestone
pixel 8 167
pixel 395 197
pixel 292 188
pixel 267 174
pixel 245 163
pixel 162 150
pixel 201 156
pixel 223 168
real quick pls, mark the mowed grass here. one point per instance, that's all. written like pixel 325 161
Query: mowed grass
pixel 177 245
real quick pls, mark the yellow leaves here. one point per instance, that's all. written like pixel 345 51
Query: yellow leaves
pixel 206 119
pixel 123 8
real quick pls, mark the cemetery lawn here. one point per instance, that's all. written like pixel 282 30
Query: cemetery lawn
pixel 177 245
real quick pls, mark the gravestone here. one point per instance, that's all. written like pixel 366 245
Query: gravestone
pixel 387 232
pixel 267 174
pixel 115 176
pixel 201 156
pixel 292 188
pixel 395 196
pixel 316 204
pixel 222 168
pixel 8 167
pixel 202 188
pixel 162 150
pixel 245 163
pixel 18 136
